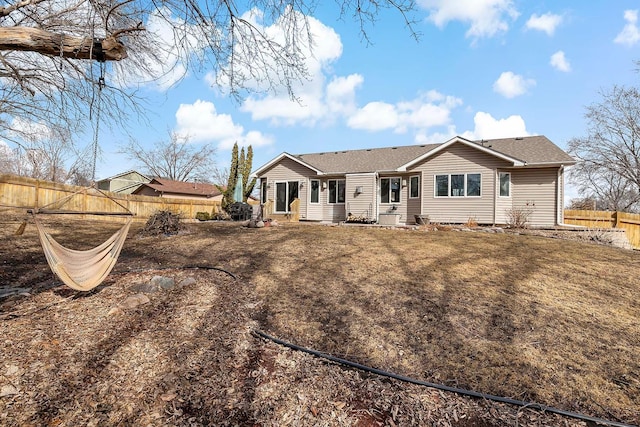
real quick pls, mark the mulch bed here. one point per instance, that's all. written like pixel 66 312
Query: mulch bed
pixel 188 357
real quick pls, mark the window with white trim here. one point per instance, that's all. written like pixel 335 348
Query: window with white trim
pixel 389 190
pixel 414 187
pixel 337 191
pixel 315 191
pixel 458 185
pixel 286 192
pixel 505 184
pixel 263 192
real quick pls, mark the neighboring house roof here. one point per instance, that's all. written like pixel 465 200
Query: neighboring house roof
pixel 525 151
pixel 180 187
pixel 129 172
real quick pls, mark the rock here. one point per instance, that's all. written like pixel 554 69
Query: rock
pixel 186 282
pixel 134 301
pixel 259 224
pixel 164 283
pixel 144 287
pixel 6 291
pixel 8 390
pixel 12 370
pixel 114 311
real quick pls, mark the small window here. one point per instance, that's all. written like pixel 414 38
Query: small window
pixel 457 185
pixel 473 185
pixel 442 185
pixel 315 191
pixel 505 184
pixel 390 190
pixel 263 198
pixel 337 190
pixel 414 187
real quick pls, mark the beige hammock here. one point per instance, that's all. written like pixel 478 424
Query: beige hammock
pixel 82 270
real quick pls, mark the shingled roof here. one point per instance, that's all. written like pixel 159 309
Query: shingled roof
pixel 529 151
pixel 185 188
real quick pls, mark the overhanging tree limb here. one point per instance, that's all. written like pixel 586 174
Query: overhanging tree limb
pixel 53 44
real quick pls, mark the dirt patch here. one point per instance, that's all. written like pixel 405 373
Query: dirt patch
pixel 520 316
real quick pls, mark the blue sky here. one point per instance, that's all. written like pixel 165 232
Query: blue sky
pixel 481 69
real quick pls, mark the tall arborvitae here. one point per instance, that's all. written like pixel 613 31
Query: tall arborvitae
pixel 247 185
pixel 239 164
pixel 227 194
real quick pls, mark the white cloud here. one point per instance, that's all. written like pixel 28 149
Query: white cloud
pixel 165 70
pixel 200 122
pixel 630 34
pixel 316 100
pixel 547 23
pixel 485 17
pixel 559 62
pixel 511 85
pixel 429 110
pixel 375 116
pixel 340 93
pixel 486 127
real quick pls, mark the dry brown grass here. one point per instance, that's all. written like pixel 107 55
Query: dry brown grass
pixel 532 318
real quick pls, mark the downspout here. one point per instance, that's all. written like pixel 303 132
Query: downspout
pixel 376 195
pixel 560 196
pixel 495 195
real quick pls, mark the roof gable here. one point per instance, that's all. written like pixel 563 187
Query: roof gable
pixel 278 159
pixel 468 143
pixel 130 174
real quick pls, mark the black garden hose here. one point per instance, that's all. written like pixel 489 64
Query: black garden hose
pixel 459 391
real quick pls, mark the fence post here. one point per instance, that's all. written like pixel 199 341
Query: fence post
pixel 616 220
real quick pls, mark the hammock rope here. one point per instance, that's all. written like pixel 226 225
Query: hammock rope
pixel 82 270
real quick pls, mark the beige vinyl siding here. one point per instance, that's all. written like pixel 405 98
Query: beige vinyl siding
pixel 288 170
pixel 363 204
pixel 460 159
pixel 536 189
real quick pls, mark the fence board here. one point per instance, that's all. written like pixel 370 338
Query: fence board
pixel 21 193
pixel 607 219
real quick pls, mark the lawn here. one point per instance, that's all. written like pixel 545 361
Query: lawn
pixel 531 318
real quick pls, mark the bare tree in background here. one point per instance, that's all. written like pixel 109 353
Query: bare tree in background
pixel 608 167
pixel 174 158
pixel 46 155
pixel 63 61
pixel 220 176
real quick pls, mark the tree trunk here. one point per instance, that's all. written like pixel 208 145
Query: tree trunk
pixel 48 43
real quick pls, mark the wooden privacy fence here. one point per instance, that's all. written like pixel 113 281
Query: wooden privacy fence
pixel 607 219
pixel 21 193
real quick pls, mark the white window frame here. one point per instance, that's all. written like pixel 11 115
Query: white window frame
pixel 465 189
pixel 391 202
pixel 288 202
pixel 417 177
pixel 500 185
pixel 344 184
pixel 311 181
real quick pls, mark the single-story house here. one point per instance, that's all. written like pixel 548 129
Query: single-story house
pixel 160 187
pixel 453 182
pixel 123 183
